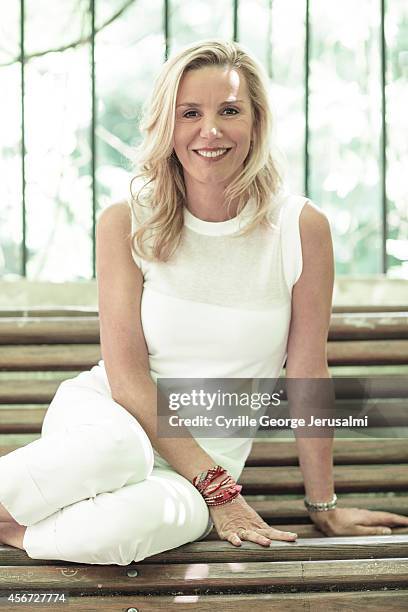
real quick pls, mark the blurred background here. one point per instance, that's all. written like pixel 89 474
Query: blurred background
pixel 75 73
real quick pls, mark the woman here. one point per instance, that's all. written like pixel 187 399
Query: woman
pixel 213 272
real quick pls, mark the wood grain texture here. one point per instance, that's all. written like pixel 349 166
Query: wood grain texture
pixel 304 549
pixel 274 479
pixel 279 452
pixel 83 327
pixel 186 578
pixel 278 510
pixel 368 326
pixel 354 352
pixel 29 391
pixel 395 600
pixel 29 357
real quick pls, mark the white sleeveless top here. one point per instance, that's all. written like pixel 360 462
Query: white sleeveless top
pixel 221 306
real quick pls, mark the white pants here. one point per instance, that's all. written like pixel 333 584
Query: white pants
pixel 91 489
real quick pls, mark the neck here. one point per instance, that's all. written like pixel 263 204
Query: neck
pixel 207 202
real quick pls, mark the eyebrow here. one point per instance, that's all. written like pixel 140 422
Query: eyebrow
pixel 197 104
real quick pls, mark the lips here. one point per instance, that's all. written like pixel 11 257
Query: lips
pixel 209 150
pixel 212 158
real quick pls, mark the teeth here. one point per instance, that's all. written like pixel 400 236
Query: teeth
pixel 212 153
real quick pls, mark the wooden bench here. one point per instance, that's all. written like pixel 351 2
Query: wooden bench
pixel 40 348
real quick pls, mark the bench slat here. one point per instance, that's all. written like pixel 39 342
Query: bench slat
pixel 381 352
pixel 268 480
pixel 277 510
pixel 21 419
pixel 185 578
pixel 375 601
pixel 304 530
pixel 84 356
pixel 29 390
pixel 279 452
pixel 68 311
pixel 84 328
pixel 263 452
pixel 312 549
pixel 49 357
pixel 368 326
pixel 50 330
pixel 361 308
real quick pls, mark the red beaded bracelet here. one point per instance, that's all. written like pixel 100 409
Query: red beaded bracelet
pixel 212 488
pixel 204 479
pixel 227 496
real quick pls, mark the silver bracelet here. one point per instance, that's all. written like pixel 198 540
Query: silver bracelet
pixel 321 506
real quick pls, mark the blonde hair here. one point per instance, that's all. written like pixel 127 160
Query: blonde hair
pixel 161 173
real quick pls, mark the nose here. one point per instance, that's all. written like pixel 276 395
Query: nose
pixel 210 129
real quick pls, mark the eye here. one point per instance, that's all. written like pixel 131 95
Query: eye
pixel 227 108
pixel 236 111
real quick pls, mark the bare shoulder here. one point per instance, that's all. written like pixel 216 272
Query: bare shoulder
pixel 314 224
pixel 113 238
pixel 116 216
pixel 316 240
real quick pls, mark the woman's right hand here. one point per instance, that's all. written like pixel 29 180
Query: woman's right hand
pixel 236 521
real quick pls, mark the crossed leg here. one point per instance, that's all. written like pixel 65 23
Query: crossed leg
pixel 87 490
pixel 160 513
pixel 134 522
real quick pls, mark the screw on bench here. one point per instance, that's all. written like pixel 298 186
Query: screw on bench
pixel 132 610
pixel 132 573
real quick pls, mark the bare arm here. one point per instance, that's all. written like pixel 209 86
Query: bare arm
pixel 123 345
pixel 311 308
pixel 307 354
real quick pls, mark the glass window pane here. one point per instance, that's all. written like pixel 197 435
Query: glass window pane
pixel 275 32
pixel 11 230
pixel 344 117
pixel 58 159
pixel 345 128
pixel 129 54
pixel 193 21
pixel 396 32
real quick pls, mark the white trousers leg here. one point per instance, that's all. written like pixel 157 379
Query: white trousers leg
pixel 88 489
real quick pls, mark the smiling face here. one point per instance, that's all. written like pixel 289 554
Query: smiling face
pixel 213 127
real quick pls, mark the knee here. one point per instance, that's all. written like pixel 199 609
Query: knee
pixel 117 549
pixel 117 542
pixel 130 444
pixel 154 528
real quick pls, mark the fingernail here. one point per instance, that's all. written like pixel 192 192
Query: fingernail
pixel 386 531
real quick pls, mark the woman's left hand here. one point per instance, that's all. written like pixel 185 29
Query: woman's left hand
pixel 357 522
